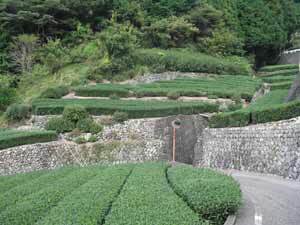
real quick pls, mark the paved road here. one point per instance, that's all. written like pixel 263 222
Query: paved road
pixel 268 200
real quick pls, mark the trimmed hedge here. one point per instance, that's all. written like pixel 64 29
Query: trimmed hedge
pixel 281 73
pixel 89 203
pixel 279 79
pixel 31 185
pixel 222 86
pixel 102 90
pixel 212 195
pixel 187 61
pixel 255 116
pixel 274 68
pixel 147 199
pixel 29 209
pixel 276 113
pixel 55 92
pixel 232 119
pixel 134 109
pixel 12 138
pixel 281 85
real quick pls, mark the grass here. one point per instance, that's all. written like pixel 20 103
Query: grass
pixel 33 85
pixel 11 138
pixel 220 86
pixel 187 61
pixel 278 79
pixel 123 194
pixel 135 109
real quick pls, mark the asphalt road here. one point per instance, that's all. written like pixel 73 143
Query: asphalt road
pixel 268 200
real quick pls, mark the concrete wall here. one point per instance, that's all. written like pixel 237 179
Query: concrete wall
pixel 267 148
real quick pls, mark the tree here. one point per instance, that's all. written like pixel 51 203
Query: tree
pixel 264 35
pixel 22 52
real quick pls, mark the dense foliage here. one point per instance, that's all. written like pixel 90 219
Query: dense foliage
pixel 266 109
pixel 11 138
pixel 221 86
pixel 122 194
pixel 135 109
pixel 211 199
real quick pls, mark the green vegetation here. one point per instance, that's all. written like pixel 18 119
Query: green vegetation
pixel 56 92
pixel 213 196
pixel 18 112
pixel 187 61
pixel 220 86
pixel 275 68
pixel 150 200
pixel 135 109
pixel 89 203
pixel 122 194
pixel 12 138
pixel 74 117
pixel 269 108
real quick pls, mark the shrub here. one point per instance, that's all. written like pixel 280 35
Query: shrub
pixel 7 97
pixel 93 138
pixel 60 125
pixel 74 113
pixel 114 97
pixel 18 112
pixel 212 195
pixel 135 109
pixel 80 140
pixel 12 138
pixel 237 98
pixel 276 113
pixel 147 196
pixel 101 90
pixel 173 95
pixel 95 77
pixel 120 117
pixel 88 125
pixel 278 67
pixel 230 119
pixel 187 61
pixel 56 92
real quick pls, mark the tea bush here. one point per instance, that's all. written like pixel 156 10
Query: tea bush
pixel 12 138
pixel 212 195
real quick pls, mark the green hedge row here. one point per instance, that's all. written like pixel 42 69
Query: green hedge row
pixel 89 203
pixel 103 90
pixel 212 195
pixel 30 186
pixel 187 61
pixel 30 208
pixel 278 67
pixel 279 79
pixel 12 138
pixel 281 85
pixel 221 86
pixel 281 73
pixel 10 182
pixel 147 199
pixel 256 116
pixel 135 109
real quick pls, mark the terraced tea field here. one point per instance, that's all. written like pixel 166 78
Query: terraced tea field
pixel 145 194
pixel 220 86
pixel 10 138
pixel 135 109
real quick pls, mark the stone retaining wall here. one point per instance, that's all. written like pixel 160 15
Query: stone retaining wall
pixel 272 148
